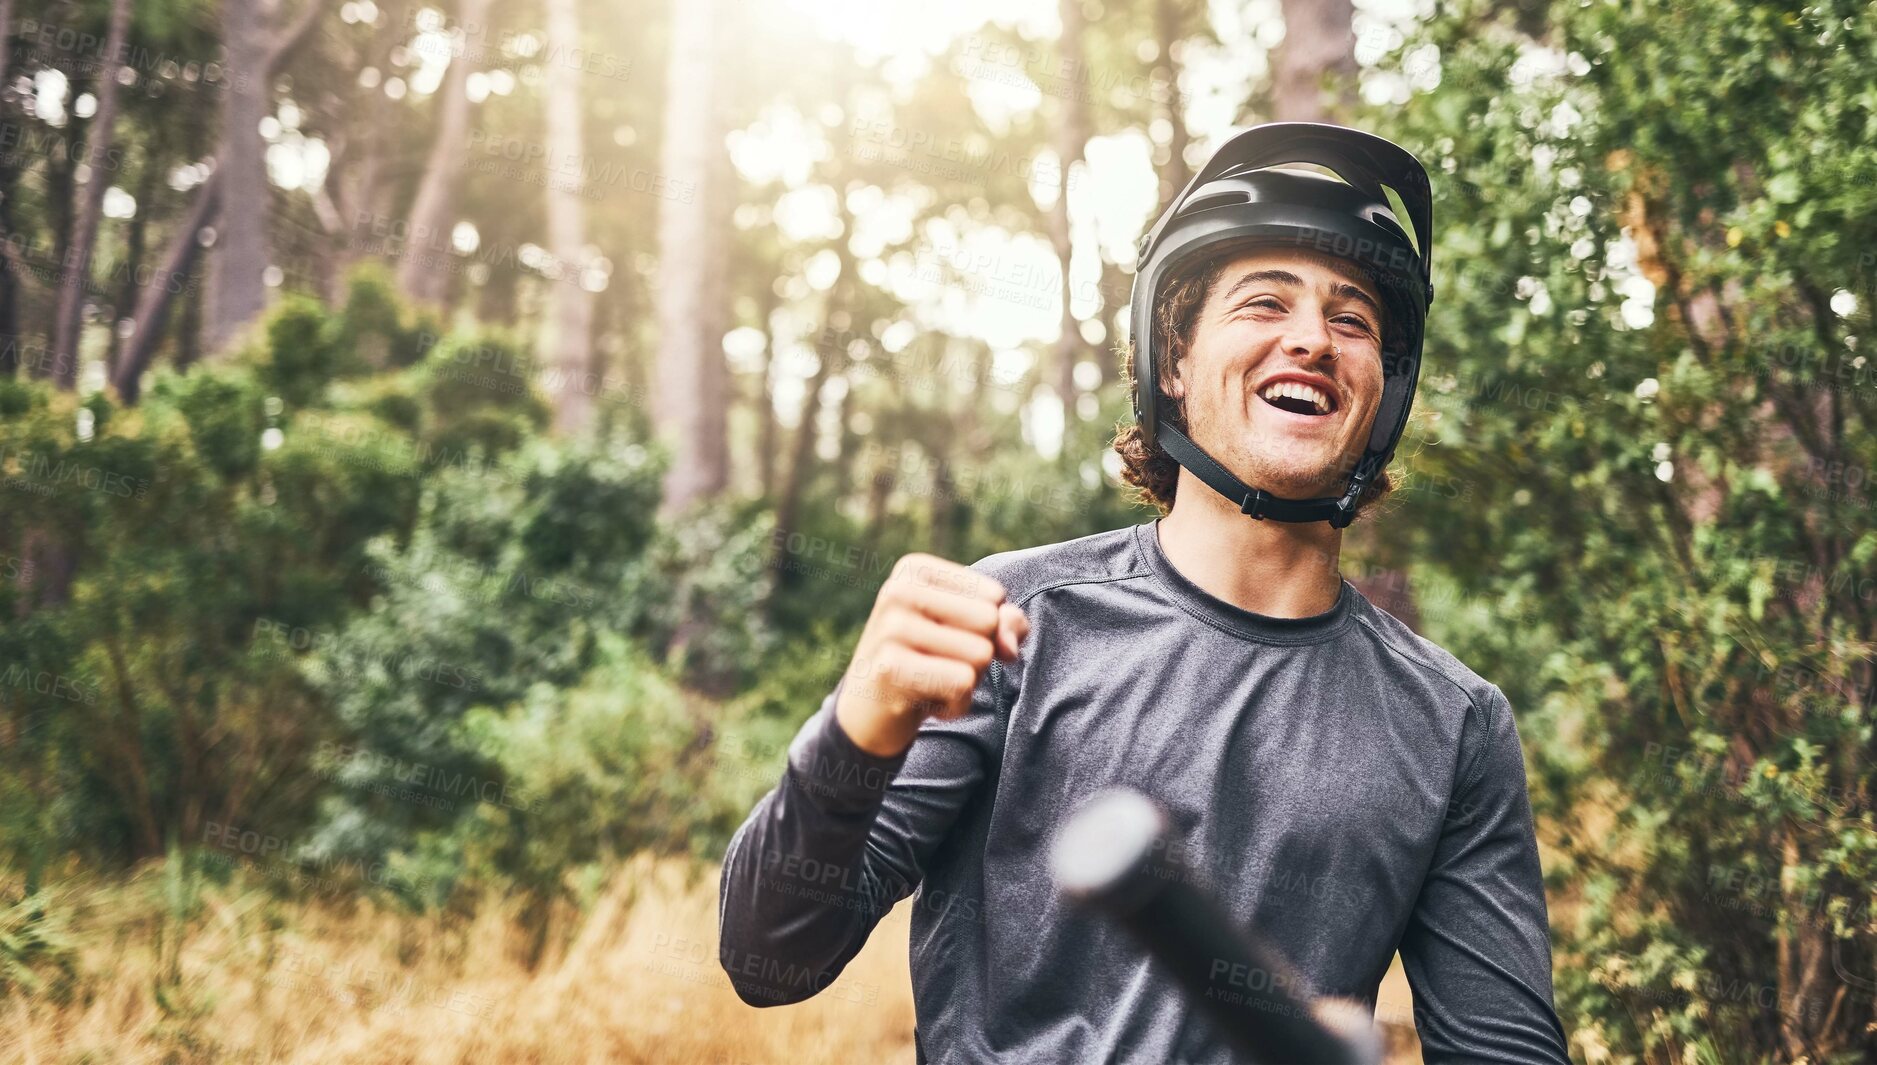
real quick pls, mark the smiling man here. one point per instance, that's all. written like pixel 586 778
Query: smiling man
pixel 1347 788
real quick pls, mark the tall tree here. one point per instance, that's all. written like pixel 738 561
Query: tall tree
pixel 238 289
pixel 569 331
pixel 147 325
pixel 75 277
pixel 842 317
pixel 1072 133
pixel 9 182
pixel 693 381
pixel 1319 40
pixel 434 211
pixel 1170 19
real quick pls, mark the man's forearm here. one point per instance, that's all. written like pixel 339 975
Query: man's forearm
pixel 800 891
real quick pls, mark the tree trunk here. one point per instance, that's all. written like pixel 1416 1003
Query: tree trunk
pixel 843 307
pixel 135 247
pixel 237 289
pixel 356 189
pixel 1805 974
pixel 186 246
pixel 882 477
pixel 11 270
pixel 802 457
pixel 1174 173
pixel 765 397
pixel 9 183
pixel 944 510
pixel 6 41
pixel 88 212
pixel 692 378
pixel 844 440
pixel 61 185
pixel 1318 40
pixel 570 318
pixel 10 273
pixel 422 274
pixel 189 330
pixel 1072 133
pixel 147 326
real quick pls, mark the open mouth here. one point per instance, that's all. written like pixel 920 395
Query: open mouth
pixel 1295 397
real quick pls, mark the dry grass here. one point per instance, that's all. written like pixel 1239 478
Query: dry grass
pixel 247 978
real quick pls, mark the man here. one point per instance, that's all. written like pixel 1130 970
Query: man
pixel 1347 788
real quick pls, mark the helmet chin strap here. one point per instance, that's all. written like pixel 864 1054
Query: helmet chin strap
pixel 1260 504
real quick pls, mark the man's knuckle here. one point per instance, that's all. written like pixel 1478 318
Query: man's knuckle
pixel 980 652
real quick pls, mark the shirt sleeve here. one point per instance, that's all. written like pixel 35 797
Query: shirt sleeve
pixel 840 839
pixel 1477 950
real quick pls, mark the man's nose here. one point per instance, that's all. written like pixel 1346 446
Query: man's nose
pixel 1308 335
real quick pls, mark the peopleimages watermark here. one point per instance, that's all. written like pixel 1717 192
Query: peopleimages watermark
pixel 503 42
pixel 43 473
pixel 276 637
pixel 846 887
pixel 501 368
pixel 920 474
pixel 85 56
pixel 1714 989
pixel 1743 889
pixel 51 685
pixel 482 582
pixel 366 445
pixel 431 782
pixel 538 163
pixel 343 980
pixel 400 238
pixel 986 58
pixel 779 979
pixel 292 862
pixel 951 157
pixel 794 552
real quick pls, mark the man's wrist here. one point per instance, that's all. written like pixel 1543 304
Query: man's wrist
pixel 839 775
pixel 875 734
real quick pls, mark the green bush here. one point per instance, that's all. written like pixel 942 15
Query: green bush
pixel 1644 387
pixel 510 578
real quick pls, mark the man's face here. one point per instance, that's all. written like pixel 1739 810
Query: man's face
pixel 1266 391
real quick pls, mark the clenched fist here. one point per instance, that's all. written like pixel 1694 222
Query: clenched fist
pixel 935 627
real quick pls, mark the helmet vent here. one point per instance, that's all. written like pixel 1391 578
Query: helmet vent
pixel 1400 211
pixel 1213 200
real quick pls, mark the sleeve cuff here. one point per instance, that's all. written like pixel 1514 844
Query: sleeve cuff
pixel 835 774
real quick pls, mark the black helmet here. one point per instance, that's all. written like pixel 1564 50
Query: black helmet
pixel 1237 199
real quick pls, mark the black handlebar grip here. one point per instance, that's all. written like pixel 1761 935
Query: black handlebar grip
pixel 1114 855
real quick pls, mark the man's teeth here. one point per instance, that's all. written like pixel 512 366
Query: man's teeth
pixel 1298 390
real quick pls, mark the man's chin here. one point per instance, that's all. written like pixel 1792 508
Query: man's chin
pixel 1292 486
pixel 1303 478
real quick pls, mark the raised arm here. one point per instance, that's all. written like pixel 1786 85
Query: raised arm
pixel 1478 947
pixel 874 781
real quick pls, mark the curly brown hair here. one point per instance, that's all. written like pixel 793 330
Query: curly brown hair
pixel 1145 466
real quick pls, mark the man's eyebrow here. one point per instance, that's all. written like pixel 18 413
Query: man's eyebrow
pixel 1344 290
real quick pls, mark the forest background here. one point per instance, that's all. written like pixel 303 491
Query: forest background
pixel 447 449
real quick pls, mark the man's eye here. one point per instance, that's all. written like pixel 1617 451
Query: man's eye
pixel 1356 321
pixel 1266 302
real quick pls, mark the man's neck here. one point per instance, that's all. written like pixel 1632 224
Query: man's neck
pixel 1275 568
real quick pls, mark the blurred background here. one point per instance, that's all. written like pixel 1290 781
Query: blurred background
pixel 448 447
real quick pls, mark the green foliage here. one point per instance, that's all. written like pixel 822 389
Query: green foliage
pixel 488 596
pixel 302 355
pixel 612 765
pixel 1636 370
pixel 708 619
pixel 37 950
pixel 376 329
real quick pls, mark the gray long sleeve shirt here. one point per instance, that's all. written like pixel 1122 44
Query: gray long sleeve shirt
pixel 1347 788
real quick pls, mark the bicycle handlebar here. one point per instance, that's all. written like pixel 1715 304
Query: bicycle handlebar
pixel 1114 855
